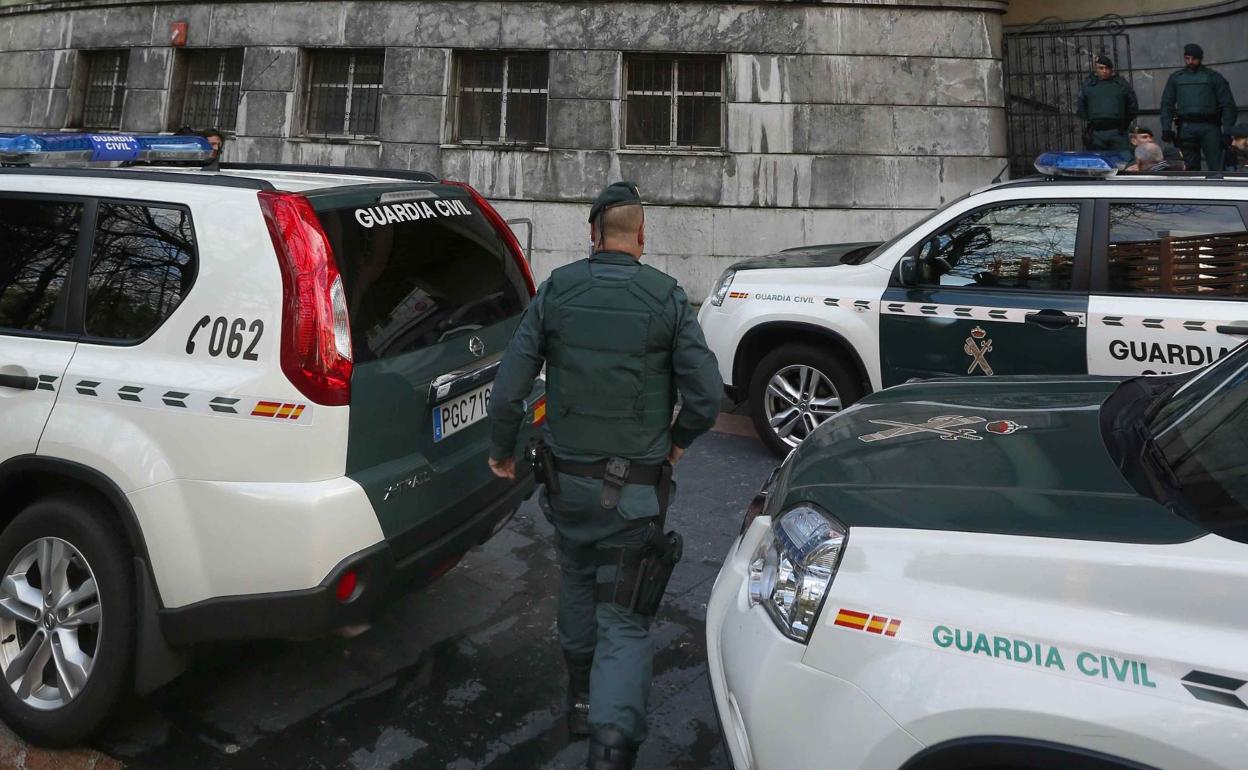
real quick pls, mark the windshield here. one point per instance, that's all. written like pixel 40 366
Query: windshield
pixel 886 245
pixel 1202 431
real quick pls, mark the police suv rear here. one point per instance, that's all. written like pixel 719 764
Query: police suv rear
pixel 235 405
pixel 1078 271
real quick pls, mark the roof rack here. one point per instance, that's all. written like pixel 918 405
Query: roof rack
pixel 384 173
pixel 1136 177
pixel 178 176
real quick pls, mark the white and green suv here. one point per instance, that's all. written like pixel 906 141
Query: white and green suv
pixel 1020 573
pixel 238 404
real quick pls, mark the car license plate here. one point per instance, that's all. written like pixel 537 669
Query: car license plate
pixel 450 417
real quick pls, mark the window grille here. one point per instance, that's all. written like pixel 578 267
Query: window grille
pixel 106 89
pixel 212 89
pixel 501 98
pixel 674 102
pixel 344 93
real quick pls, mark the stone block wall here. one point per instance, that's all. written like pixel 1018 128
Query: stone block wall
pixel 843 121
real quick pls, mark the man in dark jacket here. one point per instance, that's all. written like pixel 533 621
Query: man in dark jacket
pixel 1201 102
pixel 1108 104
pixel 619 341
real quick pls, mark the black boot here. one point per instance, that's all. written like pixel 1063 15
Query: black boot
pixel 578 693
pixel 609 749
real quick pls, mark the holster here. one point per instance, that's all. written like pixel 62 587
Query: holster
pixel 543 462
pixel 642 572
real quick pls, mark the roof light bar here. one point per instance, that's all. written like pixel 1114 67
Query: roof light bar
pixel 83 149
pixel 1080 164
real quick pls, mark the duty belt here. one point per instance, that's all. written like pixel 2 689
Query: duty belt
pixel 1202 118
pixel 1105 124
pixel 615 472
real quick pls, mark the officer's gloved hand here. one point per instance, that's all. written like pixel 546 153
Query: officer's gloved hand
pixel 1167 137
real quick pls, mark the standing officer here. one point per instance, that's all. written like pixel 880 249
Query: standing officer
pixel 1108 104
pixel 619 340
pixel 1201 101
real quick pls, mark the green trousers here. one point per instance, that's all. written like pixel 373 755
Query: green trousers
pixel 618 640
pixel 1201 139
pixel 1111 140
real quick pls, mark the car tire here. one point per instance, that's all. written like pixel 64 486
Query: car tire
pixel 836 386
pixel 84 666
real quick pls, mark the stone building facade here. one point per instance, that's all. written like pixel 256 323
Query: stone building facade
pixel 837 121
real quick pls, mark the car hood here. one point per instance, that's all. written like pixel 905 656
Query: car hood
pixel 1008 455
pixel 827 255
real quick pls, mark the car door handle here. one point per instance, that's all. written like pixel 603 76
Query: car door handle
pixel 18 382
pixel 1052 319
pixel 1232 329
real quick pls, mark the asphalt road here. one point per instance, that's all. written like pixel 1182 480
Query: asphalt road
pixel 463 675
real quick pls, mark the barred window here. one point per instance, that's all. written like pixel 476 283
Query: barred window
pixel 105 89
pixel 501 98
pixel 673 101
pixel 344 93
pixel 212 89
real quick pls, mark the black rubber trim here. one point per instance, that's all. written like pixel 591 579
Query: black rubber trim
pixel 1169 177
pixel 24 464
pixel 380 173
pixel 996 752
pixel 383 572
pixel 175 177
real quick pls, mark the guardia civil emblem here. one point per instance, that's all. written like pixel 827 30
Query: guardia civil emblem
pixel 978 352
pixel 1004 427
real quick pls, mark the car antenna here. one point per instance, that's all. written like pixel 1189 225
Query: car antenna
pixel 1001 173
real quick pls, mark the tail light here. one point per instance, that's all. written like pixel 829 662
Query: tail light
pixel 316 334
pixel 504 231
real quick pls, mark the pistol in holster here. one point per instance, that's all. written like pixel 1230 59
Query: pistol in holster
pixel 543 462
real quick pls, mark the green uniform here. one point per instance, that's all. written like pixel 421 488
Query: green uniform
pixel 1201 99
pixel 1108 106
pixel 606 391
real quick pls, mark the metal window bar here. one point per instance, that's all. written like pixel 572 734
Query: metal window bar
pixel 106 89
pixel 344 94
pixel 502 99
pixel 212 89
pixel 674 102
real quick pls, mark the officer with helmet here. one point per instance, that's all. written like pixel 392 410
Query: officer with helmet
pixel 1198 101
pixel 619 340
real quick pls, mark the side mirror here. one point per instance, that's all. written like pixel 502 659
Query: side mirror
pixel 908 270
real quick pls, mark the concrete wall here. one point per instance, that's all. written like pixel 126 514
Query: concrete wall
pixel 1031 11
pixel 845 121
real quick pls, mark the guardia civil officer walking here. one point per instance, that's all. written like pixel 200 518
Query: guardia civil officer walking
pixel 619 340
pixel 1108 104
pixel 1197 111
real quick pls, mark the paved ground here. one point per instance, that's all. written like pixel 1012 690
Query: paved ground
pixel 464 675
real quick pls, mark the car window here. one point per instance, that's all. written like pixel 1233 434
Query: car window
pixel 1192 248
pixel 421 274
pixel 38 240
pixel 1016 246
pixel 142 265
pixel 1203 434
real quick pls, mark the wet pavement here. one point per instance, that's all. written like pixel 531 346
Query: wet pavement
pixel 463 675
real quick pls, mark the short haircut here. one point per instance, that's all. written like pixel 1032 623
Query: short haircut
pixel 1142 131
pixel 211 132
pixel 620 221
pixel 1148 152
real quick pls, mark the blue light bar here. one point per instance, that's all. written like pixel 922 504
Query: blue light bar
pixel 1080 164
pixel 82 149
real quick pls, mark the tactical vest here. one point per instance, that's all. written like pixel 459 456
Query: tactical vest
pixel 610 389
pixel 1107 100
pixel 1195 93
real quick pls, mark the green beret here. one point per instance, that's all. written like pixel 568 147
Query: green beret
pixel 1240 130
pixel 618 194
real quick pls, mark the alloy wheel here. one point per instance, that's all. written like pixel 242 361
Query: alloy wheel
pixel 50 622
pixel 799 398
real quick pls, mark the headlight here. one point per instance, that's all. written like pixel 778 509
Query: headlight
pixel 722 287
pixel 793 567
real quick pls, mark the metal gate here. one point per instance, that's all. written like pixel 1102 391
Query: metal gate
pixel 1044 65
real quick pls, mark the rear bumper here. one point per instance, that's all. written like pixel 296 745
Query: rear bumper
pixel 382 571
